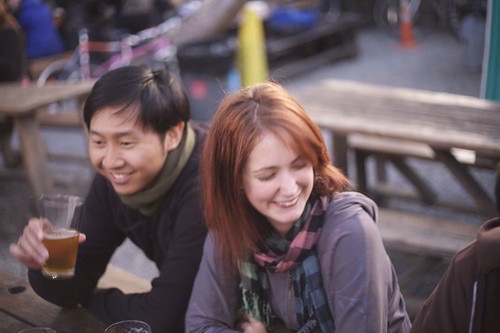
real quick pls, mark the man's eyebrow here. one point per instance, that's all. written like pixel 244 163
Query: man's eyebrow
pixel 116 134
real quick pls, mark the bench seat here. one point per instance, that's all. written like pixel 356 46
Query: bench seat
pixel 62 118
pixel 391 147
pixel 433 241
pixel 423 235
pixel 116 277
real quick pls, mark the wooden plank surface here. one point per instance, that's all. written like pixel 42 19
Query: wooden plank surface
pixel 438 119
pixel 65 118
pixel 116 277
pixel 17 99
pixel 20 302
pixel 9 324
pixel 34 156
pixel 424 235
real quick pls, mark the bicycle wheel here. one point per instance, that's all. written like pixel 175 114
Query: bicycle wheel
pixel 57 70
pixel 61 70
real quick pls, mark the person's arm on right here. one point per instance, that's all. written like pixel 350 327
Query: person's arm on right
pixel 448 309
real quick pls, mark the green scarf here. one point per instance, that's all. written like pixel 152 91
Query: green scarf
pixel 149 200
pixel 294 253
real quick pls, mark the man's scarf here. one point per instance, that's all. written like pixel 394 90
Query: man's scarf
pixel 296 254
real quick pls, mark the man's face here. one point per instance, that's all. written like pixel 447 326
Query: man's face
pixel 121 150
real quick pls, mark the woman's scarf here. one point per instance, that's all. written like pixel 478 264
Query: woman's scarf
pixel 296 254
pixel 149 200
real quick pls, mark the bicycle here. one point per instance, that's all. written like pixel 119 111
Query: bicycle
pixel 150 47
pixel 194 20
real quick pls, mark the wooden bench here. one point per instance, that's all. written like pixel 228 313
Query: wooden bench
pixel 22 103
pixel 397 152
pixel 61 117
pixel 390 147
pixel 434 240
pixel 424 235
pixel 398 123
pixel 458 132
pixel 116 277
pixel 329 41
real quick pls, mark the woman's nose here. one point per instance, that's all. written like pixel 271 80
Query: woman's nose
pixel 288 183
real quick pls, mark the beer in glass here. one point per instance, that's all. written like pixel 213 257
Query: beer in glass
pixel 61 237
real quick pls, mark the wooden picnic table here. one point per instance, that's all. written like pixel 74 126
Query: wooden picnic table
pixel 22 103
pixel 397 123
pixel 441 122
pixel 21 307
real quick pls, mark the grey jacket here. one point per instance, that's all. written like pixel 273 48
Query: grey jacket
pixel 358 277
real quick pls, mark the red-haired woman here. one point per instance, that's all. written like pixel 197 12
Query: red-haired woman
pixel 288 245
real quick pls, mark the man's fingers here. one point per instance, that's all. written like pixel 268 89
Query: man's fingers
pixel 16 251
pixel 81 238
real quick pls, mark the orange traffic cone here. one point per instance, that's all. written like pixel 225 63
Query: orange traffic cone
pixel 405 25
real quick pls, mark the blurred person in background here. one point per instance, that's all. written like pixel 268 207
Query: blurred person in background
pixel 12 69
pixel 36 19
pixel 107 20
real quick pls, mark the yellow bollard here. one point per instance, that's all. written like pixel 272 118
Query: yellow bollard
pixel 252 58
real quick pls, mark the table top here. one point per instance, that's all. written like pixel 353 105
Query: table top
pixel 21 307
pixel 16 99
pixel 441 120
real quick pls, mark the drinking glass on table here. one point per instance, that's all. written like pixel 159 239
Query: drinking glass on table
pixel 64 212
pixel 37 330
pixel 128 326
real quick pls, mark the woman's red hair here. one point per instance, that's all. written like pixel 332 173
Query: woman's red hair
pixel 238 124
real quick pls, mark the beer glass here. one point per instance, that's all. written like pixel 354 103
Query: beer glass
pixel 128 326
pixel 64 212
pixel 38 330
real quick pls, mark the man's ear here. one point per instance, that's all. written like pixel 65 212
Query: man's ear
pixel 174 136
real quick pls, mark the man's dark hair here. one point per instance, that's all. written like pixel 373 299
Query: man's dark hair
pixel 157 98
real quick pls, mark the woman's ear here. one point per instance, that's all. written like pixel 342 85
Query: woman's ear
pixel 174 136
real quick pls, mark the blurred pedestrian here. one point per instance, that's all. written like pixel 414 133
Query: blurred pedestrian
pixel 42 37
pixel 12 69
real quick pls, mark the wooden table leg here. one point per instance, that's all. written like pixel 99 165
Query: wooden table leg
pixel 469 183
pixel 34 156
pixel 425 192
pixel 339 148
pixel 11 160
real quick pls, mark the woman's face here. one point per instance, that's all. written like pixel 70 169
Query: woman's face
pixel 277 182
pixel 125 153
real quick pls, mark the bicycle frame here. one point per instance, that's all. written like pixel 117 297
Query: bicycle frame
pixel 152 43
